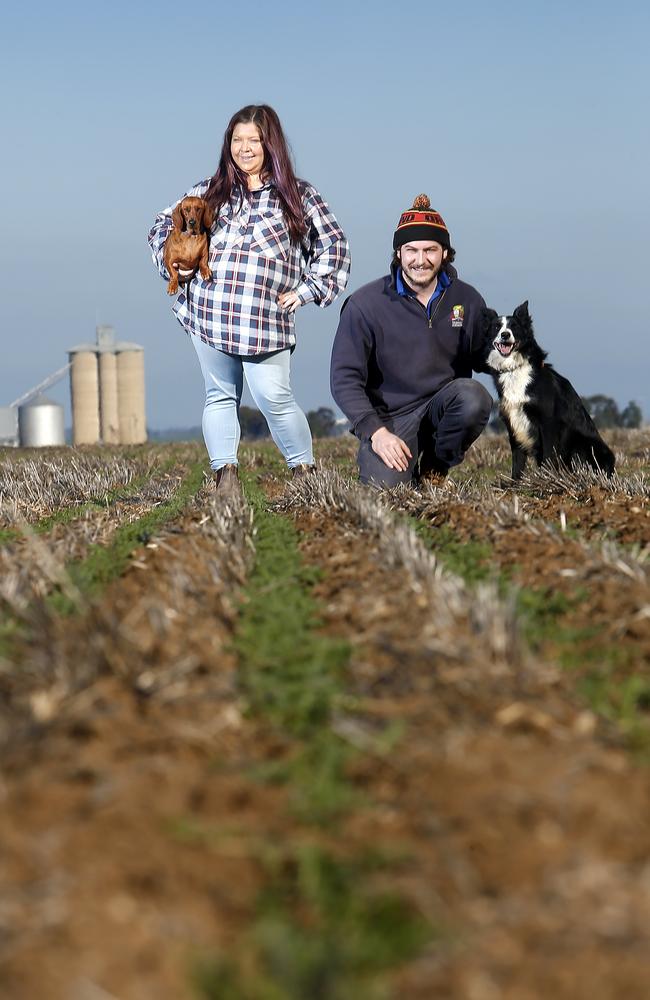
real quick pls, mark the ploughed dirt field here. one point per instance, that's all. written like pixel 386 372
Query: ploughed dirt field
pixel 327 743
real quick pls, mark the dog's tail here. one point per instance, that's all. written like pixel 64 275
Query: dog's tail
pixel 603 457
pixel 594 452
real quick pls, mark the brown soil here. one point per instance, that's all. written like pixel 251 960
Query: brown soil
pixel 524 829
pixel 597 515
pixel 609 596
pixel 132 829
pixel 124 808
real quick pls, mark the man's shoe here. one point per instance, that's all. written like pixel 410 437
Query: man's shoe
pixel 434 477
pixel 298 471
pixel 227 482
pixel 432 471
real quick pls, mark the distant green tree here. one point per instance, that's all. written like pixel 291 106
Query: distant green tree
pixel 603 410
pixel 252 423
pixel 322 422
pixel 632 415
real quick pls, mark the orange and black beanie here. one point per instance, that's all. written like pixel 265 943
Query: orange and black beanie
pixel 421 223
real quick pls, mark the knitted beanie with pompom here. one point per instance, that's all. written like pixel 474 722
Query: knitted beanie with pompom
pixel 421 222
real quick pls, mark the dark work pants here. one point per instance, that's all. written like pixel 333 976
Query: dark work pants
pixel 438 433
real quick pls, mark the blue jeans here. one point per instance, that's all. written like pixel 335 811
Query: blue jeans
pixel 438 433
pixel 267 376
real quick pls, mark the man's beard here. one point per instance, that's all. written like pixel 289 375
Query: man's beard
pixel 421 277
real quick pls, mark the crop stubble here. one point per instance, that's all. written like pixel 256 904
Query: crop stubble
pixel 524 825
pixel 519 820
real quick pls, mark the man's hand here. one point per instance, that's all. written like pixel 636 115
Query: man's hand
pixel 391 449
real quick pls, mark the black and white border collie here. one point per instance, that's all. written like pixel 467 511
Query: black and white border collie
pixel 541 409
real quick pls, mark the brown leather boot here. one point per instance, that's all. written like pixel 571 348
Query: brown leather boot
pixel 298 471
pixel 228 485
pixel 432 472
pixel 433 478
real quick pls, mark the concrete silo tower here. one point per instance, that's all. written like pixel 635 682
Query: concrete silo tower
pixel 84 391
pixel 109 418
pixel 130 390
pixel 107 389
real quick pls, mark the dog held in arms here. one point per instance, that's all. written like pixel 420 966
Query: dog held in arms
pixel 543 413
pixel 186 247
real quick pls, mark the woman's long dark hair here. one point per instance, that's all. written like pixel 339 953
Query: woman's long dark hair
pixel 229 182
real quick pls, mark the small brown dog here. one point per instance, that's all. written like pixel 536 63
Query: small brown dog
pixel 186 247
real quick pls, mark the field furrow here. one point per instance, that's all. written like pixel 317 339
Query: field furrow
pixel 328 742
pixel 582 601
pixel 110 731
pixel 37 489
pixel 520 821
pixel 34 562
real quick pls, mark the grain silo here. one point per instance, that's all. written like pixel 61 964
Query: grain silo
pixel 107 388
pixel 130 390
pixel 108 400
pixel 108 397
pixel 8 426
pixel 40 423
pixel 84 390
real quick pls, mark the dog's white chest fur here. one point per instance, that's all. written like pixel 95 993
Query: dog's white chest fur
pixel 513 386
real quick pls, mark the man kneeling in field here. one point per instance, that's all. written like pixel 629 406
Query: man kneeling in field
pixel 403 357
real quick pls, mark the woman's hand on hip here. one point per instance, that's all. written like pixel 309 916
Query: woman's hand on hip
pixel 289 301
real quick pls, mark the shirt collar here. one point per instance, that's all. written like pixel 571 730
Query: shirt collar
pixel 266 186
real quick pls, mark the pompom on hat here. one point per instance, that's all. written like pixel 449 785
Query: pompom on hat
pixel 421 222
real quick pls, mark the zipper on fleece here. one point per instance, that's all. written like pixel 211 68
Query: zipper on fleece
pixel 433 314
pixel 424 308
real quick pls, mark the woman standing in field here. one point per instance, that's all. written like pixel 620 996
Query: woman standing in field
pixel 275 246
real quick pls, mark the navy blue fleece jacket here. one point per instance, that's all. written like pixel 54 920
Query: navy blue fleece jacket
pixel 389 356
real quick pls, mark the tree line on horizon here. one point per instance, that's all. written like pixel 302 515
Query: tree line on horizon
pixel 322 422
pixel 604 411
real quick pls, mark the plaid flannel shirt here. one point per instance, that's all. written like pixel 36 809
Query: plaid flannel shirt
pixel 253 260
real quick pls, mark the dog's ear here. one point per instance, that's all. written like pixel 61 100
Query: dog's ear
pixel 178 218
pixel 486 319
pixel 208 217
pixel 522 317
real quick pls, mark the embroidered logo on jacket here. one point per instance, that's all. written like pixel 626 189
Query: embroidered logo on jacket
pixel 457 315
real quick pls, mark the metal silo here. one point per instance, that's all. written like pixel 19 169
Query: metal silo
pixel 108 398
pixel 40 424
pixel 84 389
pixel 130 388
pixel 8 426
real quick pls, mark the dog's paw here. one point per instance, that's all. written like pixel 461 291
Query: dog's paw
pixel 206 273
pixel 172 288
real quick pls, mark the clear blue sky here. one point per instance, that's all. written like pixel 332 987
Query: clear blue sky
pixel 525 123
